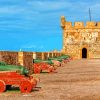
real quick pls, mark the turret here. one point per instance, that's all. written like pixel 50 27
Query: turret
pixel 63 21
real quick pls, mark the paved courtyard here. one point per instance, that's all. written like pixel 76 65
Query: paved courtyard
pixel 77 80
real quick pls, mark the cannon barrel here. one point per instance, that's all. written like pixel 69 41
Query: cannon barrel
pixel 60 58
pixel 20 69
pixel 45 61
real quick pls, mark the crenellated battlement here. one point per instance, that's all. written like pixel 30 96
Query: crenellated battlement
pixel 67 25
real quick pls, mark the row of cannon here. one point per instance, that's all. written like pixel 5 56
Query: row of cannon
pixel 51 64
pixel 19 75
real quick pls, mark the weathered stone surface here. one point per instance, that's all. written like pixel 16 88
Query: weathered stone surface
pixel 79 36
pixel 26 59
pixel 9 57
pixel 38 55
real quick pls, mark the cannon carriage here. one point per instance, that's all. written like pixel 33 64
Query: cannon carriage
pixel 9 78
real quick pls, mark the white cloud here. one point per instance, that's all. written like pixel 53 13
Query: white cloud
pixel 29 46
pixel 95 7
pixel 11 9
pixel 62 5
pixel 32 46
pixel 49 5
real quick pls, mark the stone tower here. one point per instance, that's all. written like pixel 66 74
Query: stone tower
pixel 80 41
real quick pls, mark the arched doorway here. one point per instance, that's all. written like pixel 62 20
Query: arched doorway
pixel 84 53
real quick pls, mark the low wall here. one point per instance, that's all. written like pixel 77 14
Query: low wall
pixel 25 58
pixel 9 57
pixel 45 55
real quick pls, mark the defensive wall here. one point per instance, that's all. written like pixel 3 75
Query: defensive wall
pixel 25 58
pixel 68 25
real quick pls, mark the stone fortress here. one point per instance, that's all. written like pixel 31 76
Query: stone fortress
pixel 81 41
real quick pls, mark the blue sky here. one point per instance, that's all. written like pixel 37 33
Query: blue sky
pixel 34 25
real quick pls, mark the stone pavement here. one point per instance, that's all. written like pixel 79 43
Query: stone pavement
pixel 77 80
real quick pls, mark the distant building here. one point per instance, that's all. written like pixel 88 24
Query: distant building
pixel 81 41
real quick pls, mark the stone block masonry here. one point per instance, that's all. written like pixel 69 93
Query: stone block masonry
pixel 18 58
pixel 81 41
pixel 9 57
pixel 25 58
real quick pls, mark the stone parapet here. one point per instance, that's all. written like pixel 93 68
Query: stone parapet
pixel 68 25
pixel 9 57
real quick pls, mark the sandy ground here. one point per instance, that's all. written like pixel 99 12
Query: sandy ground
pixel 77 80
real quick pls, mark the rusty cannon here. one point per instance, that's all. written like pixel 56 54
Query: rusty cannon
pixel 61 59
pixel 9 78
pixel 43 65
